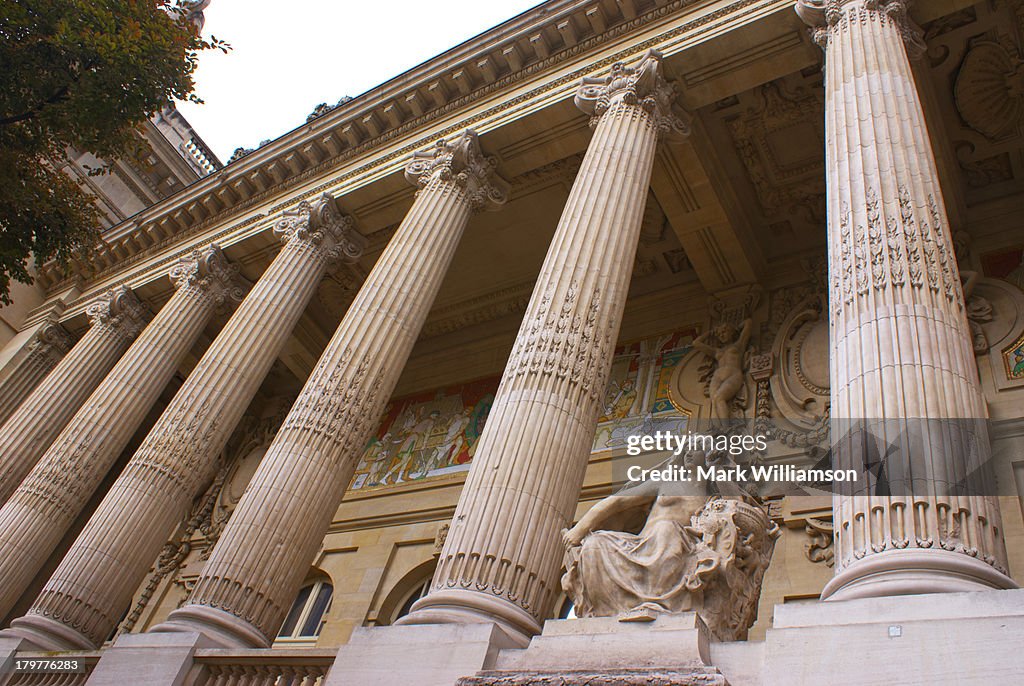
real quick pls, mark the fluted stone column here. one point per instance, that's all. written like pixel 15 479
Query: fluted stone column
pixel 503 554
pixel 900 342
pixel 247 586
pixel 93 585
pixel 52 496
pixel 45 350
pixel 117 317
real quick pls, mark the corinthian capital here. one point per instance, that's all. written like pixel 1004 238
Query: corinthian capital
pixel 121 310
pixel 52 338
pixel 208 270
pixel 641 85
pixel 461 162
pixel 318 224
pixel 826 17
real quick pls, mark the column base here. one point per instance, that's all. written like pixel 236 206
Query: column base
pixel 914 572
pixel 9 647
pixel 43 633
pixel 223 628
pixel 958 639
pixel 460 606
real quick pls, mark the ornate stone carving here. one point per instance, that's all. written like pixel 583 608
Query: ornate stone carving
pixel 51 339
pixel 192 13
pixel 563 344
pixel 341 401
pixel 893 251
pixel 698 676
pixel 989 90
pixel 641 85
pixel 208 270
pixel 318 224
pixel 828 16
pixel 440 537
pixel 819 548
pixel 121 311
pixel 779 114
pixel 710 555
pixel 979 312
pixel 725 377
pixel 323 108
pixel 461 162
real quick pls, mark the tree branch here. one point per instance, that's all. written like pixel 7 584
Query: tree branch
pixel 60 95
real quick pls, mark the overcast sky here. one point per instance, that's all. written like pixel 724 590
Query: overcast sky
pixel 288 56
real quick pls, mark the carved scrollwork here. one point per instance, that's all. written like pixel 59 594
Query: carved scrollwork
pixel 51 339
pixel 460 162
pixel 641 85
pixel 121 310
pixel 318 224
pixel 819 549
pixel 209 271
pixel 826 17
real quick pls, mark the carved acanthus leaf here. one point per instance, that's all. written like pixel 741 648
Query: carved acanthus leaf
pixel 826 17
pixel 208 270
pixel 641 85
pixel 121 310
pixel 318 223
pixel 52 338
pixel 461 162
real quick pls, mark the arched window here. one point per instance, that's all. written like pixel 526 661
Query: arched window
pixel 417 593
pixel 306 617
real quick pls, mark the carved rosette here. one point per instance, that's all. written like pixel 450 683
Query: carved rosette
pixel 826 17
pixel 629 89
pixel 318 225
pixel 209 273
pixel 460 163
pixel 121 311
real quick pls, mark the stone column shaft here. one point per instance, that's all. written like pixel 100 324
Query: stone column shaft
pixel 51 497
pixel 247 586
pixel 47 348
pixel 901 345
pixel 93 585
pixel 117 317
pixel 502 558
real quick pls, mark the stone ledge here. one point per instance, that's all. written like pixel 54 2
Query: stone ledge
pixel 699 676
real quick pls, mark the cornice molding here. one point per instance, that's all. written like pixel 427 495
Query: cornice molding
pixel 160 218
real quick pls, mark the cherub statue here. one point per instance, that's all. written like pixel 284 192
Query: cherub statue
pixel 727 377
pixel 692 553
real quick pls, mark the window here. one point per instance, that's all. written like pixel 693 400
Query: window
pixel 416 594
pixel 306 617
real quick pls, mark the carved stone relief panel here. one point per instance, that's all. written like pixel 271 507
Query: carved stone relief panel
pixel 772 143
pixel 800 386
pixel 976 60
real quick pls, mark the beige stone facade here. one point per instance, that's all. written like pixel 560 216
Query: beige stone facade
pixel 353 390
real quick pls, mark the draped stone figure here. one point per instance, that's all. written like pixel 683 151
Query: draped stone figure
pixel 694 552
